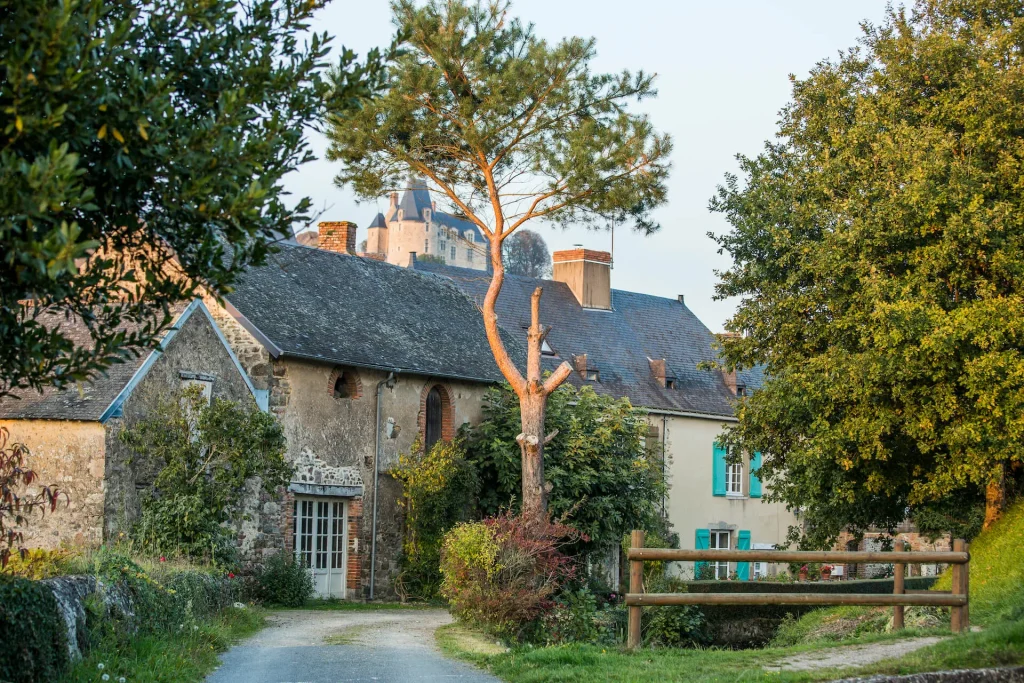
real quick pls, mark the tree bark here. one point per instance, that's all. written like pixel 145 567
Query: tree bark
pixel 995 499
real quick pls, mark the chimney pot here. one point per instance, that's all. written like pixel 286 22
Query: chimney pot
pixel 587 273
pixel 680 298
pixel 338 236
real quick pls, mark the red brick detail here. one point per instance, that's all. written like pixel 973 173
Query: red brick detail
pixel 581 255
pixel 339 236
pixel 353 384
pixel 447 411
pixel 356 551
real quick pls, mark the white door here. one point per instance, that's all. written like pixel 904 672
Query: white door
pixel 321 541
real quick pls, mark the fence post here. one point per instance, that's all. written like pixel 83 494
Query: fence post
pixel 897 587
pixel 636 586
pixel 958 615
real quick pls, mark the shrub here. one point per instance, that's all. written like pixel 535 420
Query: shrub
pixel 674 625
pixel 437 491
pixel 39 563
pixel 503 573
pixel 206 454
pixel 282 581
pixel 33 645
pixel 574 619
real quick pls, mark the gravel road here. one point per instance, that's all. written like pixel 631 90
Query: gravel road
pixel 334 646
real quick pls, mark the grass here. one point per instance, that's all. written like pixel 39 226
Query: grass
pixel 349 636
pixel 997 571
pixel 1001 646
pixel 184 657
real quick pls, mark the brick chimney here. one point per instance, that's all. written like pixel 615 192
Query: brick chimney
pixel 339 236
pixel 735 384
pixel 588 274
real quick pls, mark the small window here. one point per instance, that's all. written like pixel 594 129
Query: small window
pixel 719 541
pixel 593 376
pixel 426 246
pixel 545 348
pixel 734 480
pixel 453 253
pixel 741 390
pixel 444 245
pixel 469 235
pixel 341 387
pixel 670 382
pixel 344 384
pixel 434 418
pixel 205 384
pixel 469 254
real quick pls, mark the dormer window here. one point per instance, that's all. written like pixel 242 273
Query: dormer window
pixel 469 235
pixel 741 390
pixel 670 382
pixel 593 376
pixel 545 348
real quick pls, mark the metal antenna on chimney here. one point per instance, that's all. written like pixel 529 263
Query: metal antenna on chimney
pixel 612 264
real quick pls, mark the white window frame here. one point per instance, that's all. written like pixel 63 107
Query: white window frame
pixel 734 479
pixel 719 570
pixel 453 252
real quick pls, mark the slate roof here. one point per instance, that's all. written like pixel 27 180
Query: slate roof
pixel 378 222
pixel 85 401
pixel 620 342
pixel 350 310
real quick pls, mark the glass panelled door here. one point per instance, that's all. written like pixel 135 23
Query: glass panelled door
pixel 321 539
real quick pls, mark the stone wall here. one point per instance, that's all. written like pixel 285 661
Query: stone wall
pixel 70 456
pixel 194 350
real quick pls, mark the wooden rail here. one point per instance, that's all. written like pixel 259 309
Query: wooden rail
pixel 956 599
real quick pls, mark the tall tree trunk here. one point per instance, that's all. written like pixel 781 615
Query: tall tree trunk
pixel 995 499
pixel 533 390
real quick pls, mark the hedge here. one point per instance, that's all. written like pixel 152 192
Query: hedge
pixel 716 614
pixel 33 645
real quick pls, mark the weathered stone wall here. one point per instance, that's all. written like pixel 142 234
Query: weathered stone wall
pixel 70 456
pixel 194 350
pixel 332 440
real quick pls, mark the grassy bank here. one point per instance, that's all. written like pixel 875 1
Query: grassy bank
pixel 1001 646
pixel 183 657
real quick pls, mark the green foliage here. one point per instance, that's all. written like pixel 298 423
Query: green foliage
pixel 207 453
pixel 573 620
pixel 526 253
pixel 674 625
pixel 503 573
pixel 477 97
pixel 877 250
pixel 603 480
pixel 33 643
pixel 438 489
pixel 281 581
pixel 134 132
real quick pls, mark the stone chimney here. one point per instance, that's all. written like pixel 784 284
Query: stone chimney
pixel 588 274
pixel 732 380
pixel 339 236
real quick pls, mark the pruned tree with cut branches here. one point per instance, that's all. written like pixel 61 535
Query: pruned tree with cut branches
pixel 507 129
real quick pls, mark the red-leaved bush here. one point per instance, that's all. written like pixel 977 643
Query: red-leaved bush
pixel 14 507
pixel 503 573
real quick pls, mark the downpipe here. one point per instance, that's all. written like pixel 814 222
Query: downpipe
pixel 389 382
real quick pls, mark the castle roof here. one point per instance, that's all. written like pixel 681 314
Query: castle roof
pixel 378 222
pixel 412 203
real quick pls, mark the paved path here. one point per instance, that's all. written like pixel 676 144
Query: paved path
pixel 378 645
pixel 851 655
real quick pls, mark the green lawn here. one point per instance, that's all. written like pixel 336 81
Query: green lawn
pixel 183 657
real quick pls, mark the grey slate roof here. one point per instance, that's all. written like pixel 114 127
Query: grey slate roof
pixel 620 342
pixel 350 310
pixel 378 222
pixel 85 401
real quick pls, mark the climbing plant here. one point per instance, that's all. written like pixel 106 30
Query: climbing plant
pixel 438 487
pixel 207 453
pixel 15 502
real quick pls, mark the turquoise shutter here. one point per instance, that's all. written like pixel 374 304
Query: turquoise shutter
pixel 755 480
pixel 702 542
pixel 718 471
pixel 743 568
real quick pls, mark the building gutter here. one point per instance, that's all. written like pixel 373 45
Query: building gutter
pixel 699 416
pixel 389 381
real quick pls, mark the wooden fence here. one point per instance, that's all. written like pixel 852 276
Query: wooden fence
pixel 956 599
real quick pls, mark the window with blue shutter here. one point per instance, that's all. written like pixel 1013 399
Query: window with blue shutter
pixel 755 479
pixel 718 470
pixel 702 541
pixel 743 568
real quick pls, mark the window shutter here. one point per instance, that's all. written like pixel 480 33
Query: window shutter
pixel 743 568
pixel 702 542
pixel 718 471
pixel 755 480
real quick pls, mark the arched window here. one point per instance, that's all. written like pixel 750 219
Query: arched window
pixel 434 419
pixel 341 389
pixel 344 383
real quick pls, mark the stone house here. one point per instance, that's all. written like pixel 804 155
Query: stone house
pixel 648 348
pixel 73 434
pixel 360 359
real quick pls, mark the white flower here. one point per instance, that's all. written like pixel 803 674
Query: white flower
pixel 105 677
pixel 101 666
pixel 239 605
pixel 195 628
pixel 121 680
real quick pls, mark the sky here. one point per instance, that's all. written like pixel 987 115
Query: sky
pixel 722 76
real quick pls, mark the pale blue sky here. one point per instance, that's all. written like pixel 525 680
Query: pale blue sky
pixel 722 77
